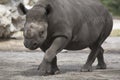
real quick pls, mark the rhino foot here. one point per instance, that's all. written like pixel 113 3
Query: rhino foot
pixel 46 68
pixel 101 66
pixel 86 69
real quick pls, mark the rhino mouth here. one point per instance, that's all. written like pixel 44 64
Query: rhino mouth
pixel 31 46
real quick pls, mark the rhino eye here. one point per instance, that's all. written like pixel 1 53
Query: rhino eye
pixel 41 33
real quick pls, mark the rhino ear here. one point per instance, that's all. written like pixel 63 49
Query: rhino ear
pixel 22 9
pixel 48 9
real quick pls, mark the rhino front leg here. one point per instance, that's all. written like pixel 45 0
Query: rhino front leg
pixel 46 67
pixel 54 66
pixel 49 68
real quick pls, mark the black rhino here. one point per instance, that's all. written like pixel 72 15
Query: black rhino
pixel 54 25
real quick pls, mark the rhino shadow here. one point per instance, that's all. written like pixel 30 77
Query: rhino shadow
pixel 63 69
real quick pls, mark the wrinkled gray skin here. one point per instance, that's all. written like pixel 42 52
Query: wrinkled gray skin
pixel 54 25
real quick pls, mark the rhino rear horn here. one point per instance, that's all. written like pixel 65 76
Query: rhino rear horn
pixel 48 9
pixel 22 9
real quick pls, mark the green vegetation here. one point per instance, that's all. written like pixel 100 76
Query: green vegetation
pixel 113 6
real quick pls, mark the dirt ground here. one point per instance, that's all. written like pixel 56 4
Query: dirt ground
pixel 18 63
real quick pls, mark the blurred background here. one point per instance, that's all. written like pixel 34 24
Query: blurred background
pixel 11 23
pixel 114 7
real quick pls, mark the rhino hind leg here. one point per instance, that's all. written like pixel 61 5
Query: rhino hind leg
pixel 101 63
pixel 96 51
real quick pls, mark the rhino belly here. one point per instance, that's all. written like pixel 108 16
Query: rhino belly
pixel 77 45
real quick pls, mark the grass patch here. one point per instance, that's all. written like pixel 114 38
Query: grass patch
pixel 115 32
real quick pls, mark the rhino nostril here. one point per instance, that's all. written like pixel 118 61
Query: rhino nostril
pixel 34 44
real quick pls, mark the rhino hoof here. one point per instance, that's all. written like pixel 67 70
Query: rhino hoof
pixel 101 66
pixel 47 69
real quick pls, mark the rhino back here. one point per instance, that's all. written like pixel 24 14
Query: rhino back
pixel 81 21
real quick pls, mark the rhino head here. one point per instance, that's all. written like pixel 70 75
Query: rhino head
pixel 35 27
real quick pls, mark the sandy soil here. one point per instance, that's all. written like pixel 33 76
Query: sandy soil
pixel 18 63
